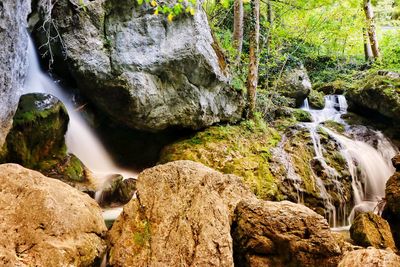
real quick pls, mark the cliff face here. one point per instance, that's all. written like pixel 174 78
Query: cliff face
pixel 143 71
pixel 13 58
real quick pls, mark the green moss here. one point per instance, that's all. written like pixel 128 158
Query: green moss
pixel 242 149
pixel 302 115
pixel 142 233
pixel 335 126
pixel 316 99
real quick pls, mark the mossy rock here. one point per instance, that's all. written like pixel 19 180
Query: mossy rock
pixel 377 93
pixel 37 141
pixel 38 130
pixel 242 149
pixel 316 99
pixel 336 87
pixel 335 126
pixel 302 115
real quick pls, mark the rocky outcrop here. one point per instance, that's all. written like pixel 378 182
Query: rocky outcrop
pixel 295 84
pixel 370 257
pixel 377 86
pixel 181 217
pixel 392 208
pixel 141 70
pixel 369 229
pixel 282 234
pixel 45 222
pixel 13 58
pixel 316 99
pixel 36 140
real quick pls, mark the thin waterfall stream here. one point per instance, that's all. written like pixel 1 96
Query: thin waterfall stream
pixel 81 140
pixel 369 166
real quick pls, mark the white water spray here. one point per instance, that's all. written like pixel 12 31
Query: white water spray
pixel 80 138
pixel 369 167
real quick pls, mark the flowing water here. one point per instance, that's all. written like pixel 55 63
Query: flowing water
pixel 81 140
pixel 368 164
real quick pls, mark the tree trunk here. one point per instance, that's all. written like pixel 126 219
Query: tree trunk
pixel 369 14
pixel 252 78
pixel 238 29
pixel 367 46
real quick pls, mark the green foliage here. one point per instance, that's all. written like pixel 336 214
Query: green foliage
pixel 172 10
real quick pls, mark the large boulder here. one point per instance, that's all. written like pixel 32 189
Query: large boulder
pixel 282 234
pixel 369 229
pixel 143 71
pixel 295 84
pixel 44 222
pixel 181 217
pixel 36 140
pixel 392 208
pixel 370 257
pixel 13 58
pixel 375 86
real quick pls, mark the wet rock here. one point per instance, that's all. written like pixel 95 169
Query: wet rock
pixel 374 86
pixel 36 140
pixel 117 192
pixel 282 234
pixel 370 257
pixel 295 84
pixel 396 162
pixel 392 208
pixel 171 74
pixel 181 217
pixel 369 229
pixel 45 222
pixel 13 59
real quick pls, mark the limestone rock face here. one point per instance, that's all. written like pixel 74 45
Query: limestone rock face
pixel 369 229
pixel 142 71
pixel 181 217
pixel 45 222
pixel 282 234
pixel 13 58
pixel 370 257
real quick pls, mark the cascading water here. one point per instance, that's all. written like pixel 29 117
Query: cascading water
pixel 80 138
pixel 369 166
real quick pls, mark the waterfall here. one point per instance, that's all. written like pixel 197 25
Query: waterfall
pixel 369 166
pixel 81 140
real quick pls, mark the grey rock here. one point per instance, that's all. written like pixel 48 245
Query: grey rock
pixel 13 58
pixel 143 71
pixel 295 84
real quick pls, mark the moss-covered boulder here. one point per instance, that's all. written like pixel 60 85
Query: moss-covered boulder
pixel 36 140
pixel 242 149
pixel 316 99
pixel 369 229
pixel 302 115
pixel 378 93
pixel 333 88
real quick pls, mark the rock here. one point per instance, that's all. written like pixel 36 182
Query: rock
pixel 13 58
pixel 45 222
pixel 337 87
pixel 370 257
pixel 117 191
pixel 302 115
pixel 282 234
pixel 168 75
pixel 392 208
pixel 396 162
pixel 316 99
pixel 369 229
pixel 181 217
pixel 385 88
pixel 295 83
pixel 36 140
pixel 242 149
